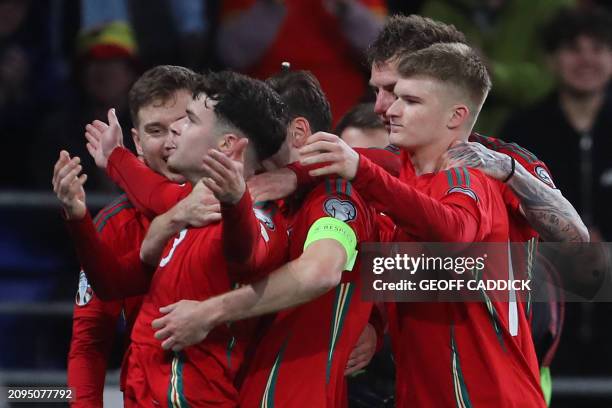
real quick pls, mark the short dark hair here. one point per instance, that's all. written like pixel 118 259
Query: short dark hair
pixel 248 105
pixel 453 63
pixel 159 84
pixel 303 96
pixel 570 23
pixel 361 116
pixel 402 34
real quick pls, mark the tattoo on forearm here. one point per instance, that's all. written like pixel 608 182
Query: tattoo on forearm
pixel 548 212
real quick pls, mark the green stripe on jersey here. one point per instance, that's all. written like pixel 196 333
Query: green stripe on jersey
pixel 102 223
pixel 462 397
pixel 342 301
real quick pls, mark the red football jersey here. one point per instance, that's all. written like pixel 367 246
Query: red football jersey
pixel 301 359
pixel 122 228
pixel 194 266
pixel 476 355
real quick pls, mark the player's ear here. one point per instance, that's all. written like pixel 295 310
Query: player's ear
pixel 136 138
pixel 299 131
pixel 459 116
pixel 228 143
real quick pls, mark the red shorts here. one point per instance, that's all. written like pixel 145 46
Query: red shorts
pixel 160 379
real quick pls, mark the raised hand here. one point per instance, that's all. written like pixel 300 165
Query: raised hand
pixel 272 185
pixel 103 138
pixel 327 148
pixel 68 186
pixel 225 175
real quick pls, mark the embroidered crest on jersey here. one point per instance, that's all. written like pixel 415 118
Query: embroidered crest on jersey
pixel 265 218
pixel 463 190
pixel 84 292
pixel 340 209
pixel 544 176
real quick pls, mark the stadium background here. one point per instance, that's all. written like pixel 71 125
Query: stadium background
pixel 63 63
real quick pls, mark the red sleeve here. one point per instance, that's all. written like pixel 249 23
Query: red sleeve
pixel 151 193
pixel 239 229
pixel 252 239
pixel 386 158
pixel 112 276
pixel 447 216
pixel 94 326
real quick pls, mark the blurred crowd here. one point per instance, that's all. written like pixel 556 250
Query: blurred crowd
pixel 64 63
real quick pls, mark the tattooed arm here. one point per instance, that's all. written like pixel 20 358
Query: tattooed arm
pixel 548 212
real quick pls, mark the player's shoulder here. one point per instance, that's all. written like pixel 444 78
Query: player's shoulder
pixel 335 197
pixel 465 180
pixel 119 210
pixel 510 148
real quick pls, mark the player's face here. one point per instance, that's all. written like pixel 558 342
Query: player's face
pixel 194 135
pixel 584 66
pixel 382 80
pixel 417 117
pixel 367 138
pixel 153 138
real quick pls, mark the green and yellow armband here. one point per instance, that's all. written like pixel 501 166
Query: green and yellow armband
pixel 332 228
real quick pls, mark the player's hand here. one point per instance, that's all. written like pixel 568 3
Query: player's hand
pixel 103 138
pixel 68 186
pixel 363 351
pixel 182 325
pixel 198 209
pixel 327 148
pixel 472 154
pixel 225 175
pixel 272 185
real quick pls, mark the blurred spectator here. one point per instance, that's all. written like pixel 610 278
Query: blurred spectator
pixel 174 31
pixel 362 127
pixel 570 129
pixel 326 37
pixel 505 31
pixel 30 79
pixel 104 70
pixel 95 13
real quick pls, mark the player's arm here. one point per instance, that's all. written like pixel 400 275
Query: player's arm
pixel 151 193
pixel 329 245
pixel 548 212
pixel 281 183
pixel 93 332
pixel 112 277
pixel 443 219
pixel 198 209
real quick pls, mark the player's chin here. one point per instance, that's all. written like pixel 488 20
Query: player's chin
pixel 398 136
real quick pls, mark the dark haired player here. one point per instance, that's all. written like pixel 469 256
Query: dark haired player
pixel 158 98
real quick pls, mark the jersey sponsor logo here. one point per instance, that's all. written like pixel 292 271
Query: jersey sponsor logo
pixel 264 218
pixel 463 190
pixel 84 292
pixel 544 176
pixel 340 209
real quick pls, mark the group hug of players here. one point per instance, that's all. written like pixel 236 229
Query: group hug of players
pixel 231 300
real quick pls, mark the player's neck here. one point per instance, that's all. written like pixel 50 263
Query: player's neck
pixel 428 159
pixel 581 109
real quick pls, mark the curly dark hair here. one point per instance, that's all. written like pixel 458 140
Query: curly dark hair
pixel 159 85
pixel 303 96
pixel 571 23
pixel 402 34
pixel 248 105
